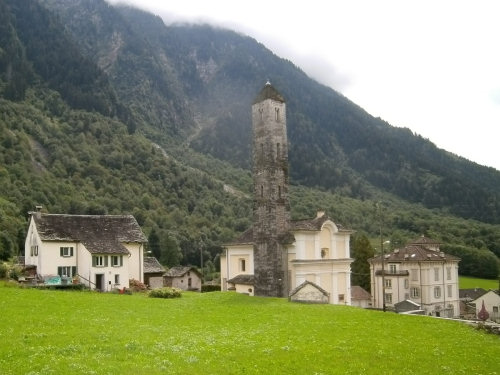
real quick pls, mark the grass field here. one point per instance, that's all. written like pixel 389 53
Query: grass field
pixel 58 332
pixel 472 282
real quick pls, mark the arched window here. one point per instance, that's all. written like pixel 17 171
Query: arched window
pixel 279 192
pixel 277 114
pixel 261 112
pixel 261 190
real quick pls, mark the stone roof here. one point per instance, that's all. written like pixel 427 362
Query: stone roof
pixel 151 265
pixel 414 253
pixel 100 234
pixel 242 280
pixel 269 92
pixel 315 224
pixel 406 305
pixel 422 240
pixel 358 293
pixel 179 271
pixel 471 294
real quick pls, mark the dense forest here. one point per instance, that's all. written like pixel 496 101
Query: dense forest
pixel 106 109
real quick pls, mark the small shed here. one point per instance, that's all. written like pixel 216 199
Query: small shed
pixel 183 277
pixel 309 292
pixel 242 284
pixel 360 297
pixel 408 307
pixel 153 272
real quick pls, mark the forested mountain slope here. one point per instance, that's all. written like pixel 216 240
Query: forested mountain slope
pixel 205 77
pixel 106 109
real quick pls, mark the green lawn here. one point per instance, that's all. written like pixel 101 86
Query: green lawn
pixel 57 332
pixel 472 282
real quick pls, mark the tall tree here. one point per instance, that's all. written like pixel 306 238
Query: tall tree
pixel 361 251
pixel 154 244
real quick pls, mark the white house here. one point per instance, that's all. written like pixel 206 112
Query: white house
pixel 101 251
pixel 418 272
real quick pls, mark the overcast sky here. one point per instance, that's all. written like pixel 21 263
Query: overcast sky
pixel 429 65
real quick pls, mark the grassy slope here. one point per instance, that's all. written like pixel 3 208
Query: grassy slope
pixel 473 282
pixel 44 332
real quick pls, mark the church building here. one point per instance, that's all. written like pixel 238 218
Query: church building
pixel 305 260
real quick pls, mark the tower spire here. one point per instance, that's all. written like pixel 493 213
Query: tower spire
pixel 271 206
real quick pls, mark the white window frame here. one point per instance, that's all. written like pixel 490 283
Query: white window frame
pixel 116 260
pixel 388 283
pixel 415 292
pixel 392 268
pixel 388 297
pixel 437 292
pixel 66 251
pixel 242 264
pixel 99 260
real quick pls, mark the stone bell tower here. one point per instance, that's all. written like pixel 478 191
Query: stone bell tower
pixel 271 205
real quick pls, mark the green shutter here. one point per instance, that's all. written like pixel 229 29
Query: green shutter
pixel 61 251
pixel 71 251
pixel 105 260
pixel 93 261
pixel 73 271
pixel 59 271
pixel 121 260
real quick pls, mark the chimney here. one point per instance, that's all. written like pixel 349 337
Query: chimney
pixel 320 213
pixel 38 212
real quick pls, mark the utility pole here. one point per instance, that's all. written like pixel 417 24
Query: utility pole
pixel 379 209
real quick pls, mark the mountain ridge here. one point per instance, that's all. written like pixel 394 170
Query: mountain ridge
pixel 189 89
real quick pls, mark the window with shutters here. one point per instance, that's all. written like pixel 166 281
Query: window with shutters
pixel 117 260
pixel 99 261
pixel 66 271
pixel 66 251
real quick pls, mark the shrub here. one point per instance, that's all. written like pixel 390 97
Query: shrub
pixel 15 272
pixel 3 270
pixel 137 286
pixel 165 293
pixel 210 288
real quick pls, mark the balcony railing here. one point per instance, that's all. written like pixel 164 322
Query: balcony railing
pixel 392 273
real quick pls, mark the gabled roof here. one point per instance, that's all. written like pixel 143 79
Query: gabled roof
pixel 314 285
pixel 269 92
pixel 151 265
pixel 315 224
pixel 471 294
pixel 100 234
pixel 425 241
pixel 179 271
pixel 242 280
pixel 358 293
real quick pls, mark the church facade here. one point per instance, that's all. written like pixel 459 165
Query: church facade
pixel 305 260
